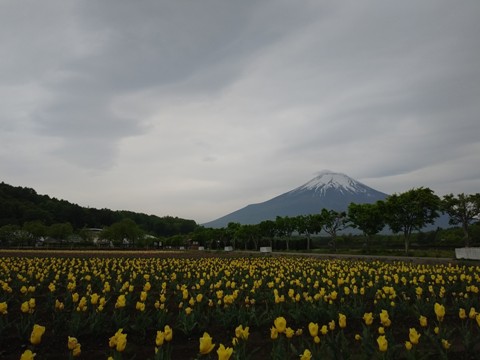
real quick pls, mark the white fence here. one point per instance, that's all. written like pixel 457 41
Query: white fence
pixel 467 253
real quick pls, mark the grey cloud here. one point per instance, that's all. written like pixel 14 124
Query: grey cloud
pixel 151 43
pixel 90 153
pixel 139 45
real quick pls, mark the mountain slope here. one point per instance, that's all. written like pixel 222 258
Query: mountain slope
pixel 19 205
pixel 328 190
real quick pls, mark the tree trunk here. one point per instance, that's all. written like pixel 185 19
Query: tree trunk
pixel 466 235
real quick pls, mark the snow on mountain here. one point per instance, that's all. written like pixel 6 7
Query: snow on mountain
pixel 327 179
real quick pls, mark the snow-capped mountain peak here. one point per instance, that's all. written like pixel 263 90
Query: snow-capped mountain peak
pixel 326 179
pixel 327 190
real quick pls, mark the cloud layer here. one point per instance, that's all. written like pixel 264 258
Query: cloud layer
pixel 195 109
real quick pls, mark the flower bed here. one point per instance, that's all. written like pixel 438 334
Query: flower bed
pixel 180 307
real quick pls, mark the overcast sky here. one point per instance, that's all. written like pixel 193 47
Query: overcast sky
pixel 198 108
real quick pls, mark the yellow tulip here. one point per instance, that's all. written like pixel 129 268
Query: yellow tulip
pixel 307 355
pixel 36 335
pixel 384 318
pixel 414 336
pixel 462 314
pixel 472 313
pixel 242 333
pixel 439 311
pixel 368 318
pixel 445 344
pixel 313 329
pixel 121 302
pixel 72 342
pixel 280 324
pixel 140 306
pixel 224 353
pixel 382 343
pixel 118 341
pixel 77 350
pixel 324 330
pixel 27 355
pixel 408 345
pixel 423 321
pixel 289 332
pixel 94 298
pixel 273 333
pixel 206 345
pixel 75 297
pixel 3 308
pixel 342 321
pixel 121 342
pixel 24 308
pixel 160 338
pixel 168 333
pixel 331 325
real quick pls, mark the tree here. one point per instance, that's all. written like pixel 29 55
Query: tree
pixel 8 234
pixel 285 227
pixel 366 217
pixel 308 225
pixel 462 209
pixel 60 231
pixel 267 230
pixel 36 228
pixel 332 222
pixel 410 211
pixel 249 233
pixel 231 232
pixel 125 229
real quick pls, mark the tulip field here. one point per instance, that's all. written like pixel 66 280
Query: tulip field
pixel 201 305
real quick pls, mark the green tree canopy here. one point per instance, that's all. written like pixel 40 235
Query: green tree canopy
pixel 308 225
pixel 124 230
pixel 366 217
pixel 333 222
pixel 462 210
pixel 410 211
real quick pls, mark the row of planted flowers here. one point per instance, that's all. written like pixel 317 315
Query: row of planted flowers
pixel 337 308
pixel 283 345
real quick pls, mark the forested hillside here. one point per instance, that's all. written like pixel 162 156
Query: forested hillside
pixel 19 205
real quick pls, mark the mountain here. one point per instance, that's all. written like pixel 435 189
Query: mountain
pixel 20 205
pixel 330 190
